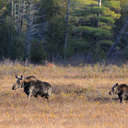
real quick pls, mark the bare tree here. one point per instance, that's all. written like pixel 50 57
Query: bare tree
pixel 32 31
pixel 24 16
pixel 66 26
pixel 117 41
pixel 17 13
pixel 99 3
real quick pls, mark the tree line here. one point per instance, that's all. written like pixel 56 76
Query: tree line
pixel 38 30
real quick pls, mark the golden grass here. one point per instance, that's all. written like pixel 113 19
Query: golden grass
pixel 80 97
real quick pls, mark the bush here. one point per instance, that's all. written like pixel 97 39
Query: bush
pixel 98 33
pixel 37 52
pixel 18 48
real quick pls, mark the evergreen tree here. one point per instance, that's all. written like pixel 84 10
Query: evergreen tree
pixel 121 31
pixel 58 28
pixel 53 16
pixel 93 26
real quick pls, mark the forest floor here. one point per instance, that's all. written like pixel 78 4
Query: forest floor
pixel 80 98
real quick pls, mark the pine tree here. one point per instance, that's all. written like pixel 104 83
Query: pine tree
pixel 66 27
pixel 121 31
pixel 53 17
pixel 93 26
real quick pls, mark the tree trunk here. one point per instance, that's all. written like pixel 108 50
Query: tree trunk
pixel 29 19
pixel 32 31
pixel 66 27
pixel 12 8
pixel 99 3
pixel 117 41
pixel 18 14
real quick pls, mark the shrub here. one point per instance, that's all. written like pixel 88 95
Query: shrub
pixel 37 52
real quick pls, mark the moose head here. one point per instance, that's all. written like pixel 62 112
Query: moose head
pixel 18 83
pixel 114 89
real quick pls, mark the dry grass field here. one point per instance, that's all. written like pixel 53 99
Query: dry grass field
pixel 80 98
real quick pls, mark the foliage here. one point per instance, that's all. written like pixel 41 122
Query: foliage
pixel 96 24
pixel 92 29
pixel 37 52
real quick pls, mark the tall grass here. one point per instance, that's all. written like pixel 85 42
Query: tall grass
pixel 80 98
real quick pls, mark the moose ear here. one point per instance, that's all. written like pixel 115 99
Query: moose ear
pixel 16 76
pixel 21 77
pixel 116 84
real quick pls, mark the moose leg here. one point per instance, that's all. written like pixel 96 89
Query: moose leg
pixel 124 97
pixel 120 97
pixel 29 96
pixel 46 96
pixel 30 92
pixel 36 95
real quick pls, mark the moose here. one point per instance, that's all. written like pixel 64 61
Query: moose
pixel 33 87
pixel 121 90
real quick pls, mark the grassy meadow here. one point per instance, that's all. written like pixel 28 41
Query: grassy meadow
pixel 80 98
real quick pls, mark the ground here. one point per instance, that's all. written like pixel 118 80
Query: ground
pixel 80 98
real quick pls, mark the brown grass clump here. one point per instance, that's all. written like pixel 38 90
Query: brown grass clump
pixel 80 98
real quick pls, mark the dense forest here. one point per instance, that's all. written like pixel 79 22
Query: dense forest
pixel 38 30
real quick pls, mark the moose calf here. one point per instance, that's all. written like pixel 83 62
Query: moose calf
pixel 121 90
pixel 33 87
